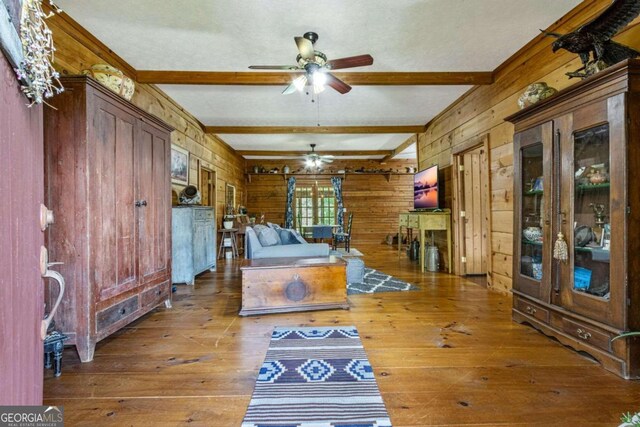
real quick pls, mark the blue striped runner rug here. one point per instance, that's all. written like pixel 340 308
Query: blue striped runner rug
pixel 316 377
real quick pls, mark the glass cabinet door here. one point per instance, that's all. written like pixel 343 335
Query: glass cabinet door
pixel 592 212
pixel 531 257
pixel 532 217
pixel 591 205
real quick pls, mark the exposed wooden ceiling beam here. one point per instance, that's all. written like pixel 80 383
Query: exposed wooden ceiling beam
pixel 400 148
pixel 271 78
pixel 343 153
pixel 312 129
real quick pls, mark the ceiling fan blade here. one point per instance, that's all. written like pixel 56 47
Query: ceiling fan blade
pixel 274 67
pixel 350 62
pixel 306 48
pixel 337 84
pixel 289 89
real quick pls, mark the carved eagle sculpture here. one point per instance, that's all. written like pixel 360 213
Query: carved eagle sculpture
pixel 595 37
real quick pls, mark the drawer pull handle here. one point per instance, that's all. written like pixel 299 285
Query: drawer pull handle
pixel 530 310
pixel 123 310
pixel 583 334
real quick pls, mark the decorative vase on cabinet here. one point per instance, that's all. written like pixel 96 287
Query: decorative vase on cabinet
pixel 107 176
pixel 592 294
pixel 193 233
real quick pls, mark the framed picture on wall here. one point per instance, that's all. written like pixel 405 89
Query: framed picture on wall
pixel 230 198
pixel 179 165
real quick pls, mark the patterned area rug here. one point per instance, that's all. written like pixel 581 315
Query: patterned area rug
pixel 377 281
pixel 316 377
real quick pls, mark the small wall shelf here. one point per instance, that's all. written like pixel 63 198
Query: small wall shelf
pixel 344 175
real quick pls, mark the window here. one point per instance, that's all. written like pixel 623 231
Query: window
pixel 314 204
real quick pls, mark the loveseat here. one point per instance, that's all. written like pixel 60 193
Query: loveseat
pixel 276 242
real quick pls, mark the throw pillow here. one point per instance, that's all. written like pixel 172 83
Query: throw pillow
pixel 268 236
pixel 274 226
pixel 288 238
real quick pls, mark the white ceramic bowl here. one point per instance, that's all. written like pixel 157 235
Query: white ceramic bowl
pixel 532 234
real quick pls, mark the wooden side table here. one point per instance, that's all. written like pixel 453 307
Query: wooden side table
pixel 426 221
pixel 228 233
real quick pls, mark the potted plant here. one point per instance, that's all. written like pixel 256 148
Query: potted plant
pixel 229 217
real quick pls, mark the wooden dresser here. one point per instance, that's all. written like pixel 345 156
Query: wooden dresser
pixel 107 180
pixel 193 234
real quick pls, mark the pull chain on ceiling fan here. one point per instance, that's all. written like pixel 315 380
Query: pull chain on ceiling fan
pixel 316 67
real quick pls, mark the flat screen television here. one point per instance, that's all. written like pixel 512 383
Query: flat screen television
pixel 425 189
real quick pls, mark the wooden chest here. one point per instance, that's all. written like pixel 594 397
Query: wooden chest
pixel 276 285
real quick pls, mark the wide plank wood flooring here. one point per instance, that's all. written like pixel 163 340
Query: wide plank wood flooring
pixel 445 355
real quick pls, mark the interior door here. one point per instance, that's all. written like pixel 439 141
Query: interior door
pixel 593 211
pixel 113 192
pixel 474 199
pixel 207 179
pixel 532 231
pixel 154 203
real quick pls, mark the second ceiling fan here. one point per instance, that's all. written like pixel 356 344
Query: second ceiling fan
pixel 316 67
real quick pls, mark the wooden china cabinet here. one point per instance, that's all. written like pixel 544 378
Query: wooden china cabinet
pixel 107 181
pixel 577 172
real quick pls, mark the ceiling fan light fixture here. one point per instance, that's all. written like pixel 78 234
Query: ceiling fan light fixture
pixel 300 82
pixel 319 80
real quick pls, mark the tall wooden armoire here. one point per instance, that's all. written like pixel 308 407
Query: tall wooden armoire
pixel 576 170
pixel 107 180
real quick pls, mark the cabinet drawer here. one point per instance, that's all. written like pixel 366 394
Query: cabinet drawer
pixel 155 295
pixel 588 334
pixel 202 214
pixel 113 314
pixel 433 222
pixel 403 220
pixel 531 309
pixel 412 221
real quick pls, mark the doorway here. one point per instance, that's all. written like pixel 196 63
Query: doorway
pixel 207 186
pixel 471 207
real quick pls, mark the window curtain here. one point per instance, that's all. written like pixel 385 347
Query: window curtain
pixel 337 189
pixel 288 212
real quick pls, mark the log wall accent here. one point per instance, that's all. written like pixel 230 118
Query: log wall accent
pixel 78 50
pixel 374 201
pixel 482 110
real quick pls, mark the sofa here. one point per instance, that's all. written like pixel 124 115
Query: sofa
pixel 274 242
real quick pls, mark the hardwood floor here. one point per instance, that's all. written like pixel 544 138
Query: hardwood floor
pixel 447 354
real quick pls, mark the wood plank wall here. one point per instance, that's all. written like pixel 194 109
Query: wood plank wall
pixel 481 111
pixel 77 50
pixel 375 203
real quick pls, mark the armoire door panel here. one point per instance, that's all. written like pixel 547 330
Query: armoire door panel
pixel 114 205
pixel 586 278
pixel 532 263
pixel 153 214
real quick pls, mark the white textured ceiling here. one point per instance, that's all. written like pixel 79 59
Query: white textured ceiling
pixel 331 142
pixel 401 35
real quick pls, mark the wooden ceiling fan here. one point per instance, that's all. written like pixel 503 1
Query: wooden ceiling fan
pixel 316 67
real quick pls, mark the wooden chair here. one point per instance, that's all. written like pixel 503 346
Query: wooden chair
pixel 346 236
